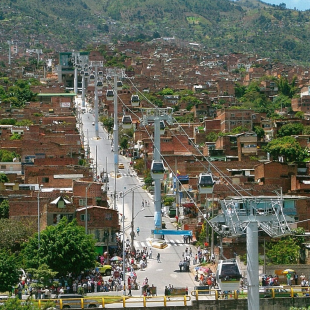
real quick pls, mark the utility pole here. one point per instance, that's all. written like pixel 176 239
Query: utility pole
pixel 132 234
pixel 9 43
pixel 96 65
pixel 75 55
pixel 177 190
pixel 115 73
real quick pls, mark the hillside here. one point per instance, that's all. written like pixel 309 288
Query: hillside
pixel 221 26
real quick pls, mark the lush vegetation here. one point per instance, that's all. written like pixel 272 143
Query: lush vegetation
pixel 7 156
pixel 220 26
pixel 18 94
pixel 253 96
pixel 64 248
pixel 287 250
pixel 288 148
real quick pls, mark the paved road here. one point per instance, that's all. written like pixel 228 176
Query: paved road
pixel 167 271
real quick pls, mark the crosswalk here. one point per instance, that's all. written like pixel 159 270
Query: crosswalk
pixel 143 244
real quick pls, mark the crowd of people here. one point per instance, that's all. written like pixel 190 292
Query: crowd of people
pixel 206 278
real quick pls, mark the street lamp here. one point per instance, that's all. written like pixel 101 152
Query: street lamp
pixel 132 233
pixel 124 271
pixel 86 215
pixel 39 216
pixel 124 193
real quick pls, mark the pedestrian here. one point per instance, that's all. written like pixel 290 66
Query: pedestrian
pixel 158 257
pixel 138 230
pixel 150 253
pixel 296 278
pixel 288 278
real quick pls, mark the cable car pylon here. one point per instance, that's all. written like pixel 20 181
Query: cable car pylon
pixel 242 215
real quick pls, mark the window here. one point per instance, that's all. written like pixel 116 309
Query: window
pixel 82 202
pixel 83 217
pixel 3 167
pixel 61 204
pixel 45 180
pixel 108 216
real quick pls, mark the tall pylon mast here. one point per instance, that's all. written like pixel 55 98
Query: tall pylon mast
pixel 248 215
pixel 156 116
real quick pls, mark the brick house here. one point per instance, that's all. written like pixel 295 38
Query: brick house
pixel 102 223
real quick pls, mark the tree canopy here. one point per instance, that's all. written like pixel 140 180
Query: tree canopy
pixel 287 147
pixel 14 233
pixel 9 274
pixel 284 251
pixel 7 156
pixel 64 248
pixel 291 129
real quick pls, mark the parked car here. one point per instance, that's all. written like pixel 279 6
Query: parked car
pixel 105 270
pixel 74 301
pixel 267 292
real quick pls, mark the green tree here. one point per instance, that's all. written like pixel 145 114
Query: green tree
pixel 123 142
pixel 283 251
pixel 286 88
pixel 8 271
pixel 108 123
pixel 8 121
pixel 17 304
pixel 239 90
pixel 43 274
pixel 7 156
pixel 64 248
pixel 139 165
pixel 211 136
pixel 4 209
pixel 166 91
pixel 259 131
pixel 300 114
pixel 287 147
pixel 3 178
pixel 290 129
pixel 24 122
pixel 306 130
pixel 16 136
pixel 14 233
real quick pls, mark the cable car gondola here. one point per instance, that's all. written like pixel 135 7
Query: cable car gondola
pixel 135 100
pixel 110 94
pixel 86 73
pixel 99 84
pixel 205 183
pixel 119 85
pixel 92 77
pixel 157 169
pixel 100 73
pixel 126 121
pixel 228 275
